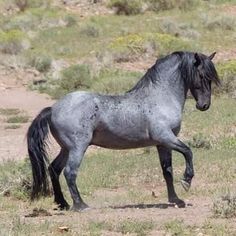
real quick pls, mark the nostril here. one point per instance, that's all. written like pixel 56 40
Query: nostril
pixel 205 106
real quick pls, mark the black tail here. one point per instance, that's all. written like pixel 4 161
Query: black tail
pixel 36 138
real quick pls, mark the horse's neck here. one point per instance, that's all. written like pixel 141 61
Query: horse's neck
pixel 171 87
pixel 165 84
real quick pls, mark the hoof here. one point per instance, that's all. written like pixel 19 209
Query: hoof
pixel 65 207
pixel 178 202
pixel 185 185
pixel 62 206
pixel 80 207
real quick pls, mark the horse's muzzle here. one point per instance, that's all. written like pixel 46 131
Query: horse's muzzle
pixel 202 107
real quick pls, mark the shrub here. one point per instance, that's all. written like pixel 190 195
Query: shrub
pixel 162 5
pixel 126 7
pixel 70 21
pixel 24 4
pixel 41 63
pixel 225 206
pixel 227 74
pixel 15 179
pixel 25 22
pixel 11 41
pixel 174 28
pixel 200 141
pixel 72 78
pixel 134 45
pixel 106 81
pixel 90 30
pixel 21 4
pixel 220 22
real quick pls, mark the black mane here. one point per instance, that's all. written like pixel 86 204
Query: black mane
pixel 186 68
pixel 151 76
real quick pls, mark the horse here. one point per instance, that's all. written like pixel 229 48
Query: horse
pixel 149 114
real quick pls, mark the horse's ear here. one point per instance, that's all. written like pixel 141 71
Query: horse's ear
pixel 212 55
pixel 197 61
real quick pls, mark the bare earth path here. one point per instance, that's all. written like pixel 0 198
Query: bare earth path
pixel 12 141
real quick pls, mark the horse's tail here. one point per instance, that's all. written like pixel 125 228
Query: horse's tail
pixel 36 138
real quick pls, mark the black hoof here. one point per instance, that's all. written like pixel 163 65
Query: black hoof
pixel 64 206
pixel 80 207
pixel 178 202
pixel 186 185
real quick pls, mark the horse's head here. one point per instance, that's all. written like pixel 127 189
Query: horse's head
pixel 205 73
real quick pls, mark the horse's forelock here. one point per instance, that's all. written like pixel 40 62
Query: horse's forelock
pixel 210 71
pixel 188 69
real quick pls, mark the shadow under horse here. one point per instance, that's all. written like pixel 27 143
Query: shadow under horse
pixel 149 114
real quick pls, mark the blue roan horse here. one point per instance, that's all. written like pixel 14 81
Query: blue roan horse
pixel 147 115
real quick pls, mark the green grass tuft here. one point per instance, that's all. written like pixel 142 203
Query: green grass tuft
pixel 18 119
pixel 9 111
pixel 140 228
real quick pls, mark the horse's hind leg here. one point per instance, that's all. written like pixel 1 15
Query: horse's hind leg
pixel 75 158
pixel 55 169
pixel 165 157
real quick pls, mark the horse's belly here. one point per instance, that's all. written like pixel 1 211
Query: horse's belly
pixel 107 139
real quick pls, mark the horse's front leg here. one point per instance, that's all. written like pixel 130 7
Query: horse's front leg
pixel 168 140
pixel 189 171
pixel 165 156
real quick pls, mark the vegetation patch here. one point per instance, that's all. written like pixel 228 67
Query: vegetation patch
pixel 176 227
pixel 9 111
pixel 126 7
pixel 18 119
pixel 11 41
pixel 81 77
pixel 200 141
pixel 35 19
pixel 24 4
pixel 14 126
pixel 227 73
pixel 224 206
pixel 133 45
pixel 115 81
pixel 229 142
pixel 15 178
pixel 96 227
pixel 221 22
pixel 138 6
pixel 163 5
pixel 183 29
pixel 140 228
pixel 42 63
pixel 126 227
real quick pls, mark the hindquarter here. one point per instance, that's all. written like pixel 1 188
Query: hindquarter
pixel 74 118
